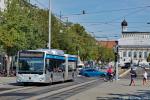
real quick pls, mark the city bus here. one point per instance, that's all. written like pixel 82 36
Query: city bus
pixel 45 66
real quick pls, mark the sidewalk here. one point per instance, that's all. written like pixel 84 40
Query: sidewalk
pixel 115 90
pixel 6 80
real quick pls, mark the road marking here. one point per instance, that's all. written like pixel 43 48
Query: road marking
pixel 126 72
pixel 12 90
pixel 58 91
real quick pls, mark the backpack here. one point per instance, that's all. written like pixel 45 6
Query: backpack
pixel 135 75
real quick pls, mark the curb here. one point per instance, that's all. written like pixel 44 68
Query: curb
pixel 7 80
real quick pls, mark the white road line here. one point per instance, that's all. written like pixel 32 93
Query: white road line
pixel 125 73
pixel 12 90
pixel 57 91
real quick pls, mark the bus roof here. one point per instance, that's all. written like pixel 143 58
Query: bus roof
pixel 49 51
pixel 69 55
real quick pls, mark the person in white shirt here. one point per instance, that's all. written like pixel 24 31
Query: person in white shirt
pixel 145 77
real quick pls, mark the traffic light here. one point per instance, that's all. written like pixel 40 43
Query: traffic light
pixel 116 52
pixel 83 12
pixel 116 57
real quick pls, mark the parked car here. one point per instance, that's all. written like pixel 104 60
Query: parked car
pixel 80 67
pixel 126 66
pixel 92 73
pixel 146 67
pixel 134 67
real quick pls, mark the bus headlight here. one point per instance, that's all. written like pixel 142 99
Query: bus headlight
pixel 41 79
pixel 18 79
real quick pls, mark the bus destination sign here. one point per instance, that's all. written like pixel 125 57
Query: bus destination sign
pixel 31 54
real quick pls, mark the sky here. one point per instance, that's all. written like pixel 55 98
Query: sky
pixel 102 18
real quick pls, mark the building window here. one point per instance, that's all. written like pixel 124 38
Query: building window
pixel 145 54
pixel 140 54
pixel 124 54
pixel 129 54
pixel 135 54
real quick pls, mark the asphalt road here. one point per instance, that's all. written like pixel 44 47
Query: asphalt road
pixel 56 91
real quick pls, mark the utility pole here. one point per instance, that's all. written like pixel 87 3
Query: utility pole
pixel 116 62
pixel 49 39
pixel 60 15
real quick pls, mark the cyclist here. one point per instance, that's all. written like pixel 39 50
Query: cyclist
pixel 110 73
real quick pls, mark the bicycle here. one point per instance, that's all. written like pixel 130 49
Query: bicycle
pixel 109 77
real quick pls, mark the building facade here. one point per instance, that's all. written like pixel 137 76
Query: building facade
pixel 134 47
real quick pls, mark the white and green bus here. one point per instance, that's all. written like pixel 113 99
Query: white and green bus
pixel 45 66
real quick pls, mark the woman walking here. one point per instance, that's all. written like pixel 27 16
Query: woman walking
pixel 145 77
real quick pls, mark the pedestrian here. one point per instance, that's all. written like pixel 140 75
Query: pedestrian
pixel 133 76
pixel 145 77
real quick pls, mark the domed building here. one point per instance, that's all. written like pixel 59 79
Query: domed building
pixel 124 25
pixel 134 47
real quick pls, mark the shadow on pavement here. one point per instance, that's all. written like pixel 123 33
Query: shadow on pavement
pixel 139 95
pixel 18 94
pixel 3 89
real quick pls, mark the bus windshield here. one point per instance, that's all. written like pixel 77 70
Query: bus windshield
pixel 31 65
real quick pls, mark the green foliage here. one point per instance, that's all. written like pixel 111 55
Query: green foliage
pixel 105 54
pixel 12 38
pixel 148 58
pixel 23 26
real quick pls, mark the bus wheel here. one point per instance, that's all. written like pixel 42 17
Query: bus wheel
pixel 51 78
pixel 63 77
pixel 25 84
pixel 73 76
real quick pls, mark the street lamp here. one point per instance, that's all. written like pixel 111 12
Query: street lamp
pixel 49 43
pixel 116 61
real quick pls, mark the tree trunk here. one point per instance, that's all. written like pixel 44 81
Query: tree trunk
pixel 8 64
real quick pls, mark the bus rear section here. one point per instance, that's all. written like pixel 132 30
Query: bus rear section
pixel 60 67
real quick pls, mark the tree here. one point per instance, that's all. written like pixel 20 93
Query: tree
pixel 21 28
pixel 12 38
pixel 105 54
pixel 148 58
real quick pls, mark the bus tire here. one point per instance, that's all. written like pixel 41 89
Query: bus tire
pixel 51 78
pixel 73 76
pixel 25 84
pixel 63 77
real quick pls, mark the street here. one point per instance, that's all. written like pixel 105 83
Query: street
pixel 117 90
pixel 55 91
pixel 82 88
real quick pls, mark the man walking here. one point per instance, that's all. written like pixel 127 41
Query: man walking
pixel 133 76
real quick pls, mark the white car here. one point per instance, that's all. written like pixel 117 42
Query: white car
pixel 147 67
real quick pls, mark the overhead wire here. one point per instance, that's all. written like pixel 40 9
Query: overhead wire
pixel 136 10
pixel 107 11
pixel 128 14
